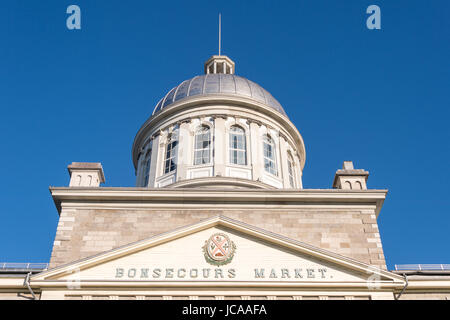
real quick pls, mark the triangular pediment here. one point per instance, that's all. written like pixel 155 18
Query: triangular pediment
pixel 218 250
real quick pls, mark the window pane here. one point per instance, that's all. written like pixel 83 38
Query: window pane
pixel 147 167
pixel 241 158
pixel 233 141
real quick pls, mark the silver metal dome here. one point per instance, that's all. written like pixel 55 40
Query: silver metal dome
pixel 219 83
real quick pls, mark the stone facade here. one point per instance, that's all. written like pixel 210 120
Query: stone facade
pixel 350 232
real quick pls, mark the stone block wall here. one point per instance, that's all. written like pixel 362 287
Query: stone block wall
pixel 85 232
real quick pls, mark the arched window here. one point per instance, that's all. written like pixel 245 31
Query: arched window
pixel 146 168
pixel 171 154
pixel 202 147
pixel 269 155
pixel 291 171
pixel 238 150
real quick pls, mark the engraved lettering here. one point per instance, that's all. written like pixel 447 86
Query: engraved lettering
pixel 259 273
pixel 119 272
pixel 144 273
pixel 322 272
pixel 181 273
pixel 273 274
pixel 193 273
pixel 156 273
pixel 297 273
pixel 206 273
pixel 285 273
pixel 219 272
pixel 169 273
pixel 131 273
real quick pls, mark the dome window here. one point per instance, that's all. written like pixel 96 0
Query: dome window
pixel 238 150
pixel 202 148
pixel 171 152
pixel 269 155
pixel 147 167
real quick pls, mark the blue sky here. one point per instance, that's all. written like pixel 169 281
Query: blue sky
pixel 377 97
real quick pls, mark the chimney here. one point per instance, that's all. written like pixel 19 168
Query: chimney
pixel 349 178
pixel 86 174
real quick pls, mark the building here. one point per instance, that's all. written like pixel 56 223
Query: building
pixel 219 212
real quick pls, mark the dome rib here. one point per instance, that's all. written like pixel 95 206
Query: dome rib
pixel 204 84
pixel 235 83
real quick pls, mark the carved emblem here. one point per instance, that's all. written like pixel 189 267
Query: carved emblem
pixel 219 249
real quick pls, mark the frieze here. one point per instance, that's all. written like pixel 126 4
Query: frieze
pixel 196 273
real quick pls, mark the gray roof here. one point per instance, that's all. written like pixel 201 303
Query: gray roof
pixel 227 84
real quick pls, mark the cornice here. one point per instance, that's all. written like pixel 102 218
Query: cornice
pixel 220 196
pixel 268 285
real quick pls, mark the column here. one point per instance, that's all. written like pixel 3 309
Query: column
pixel 280 165
pixel 154 160
pixel 284 162
pixel 139 169
pixel 298 171
pixel 160 145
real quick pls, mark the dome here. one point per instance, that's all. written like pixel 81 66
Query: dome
pixel 218 84
pixel 220 131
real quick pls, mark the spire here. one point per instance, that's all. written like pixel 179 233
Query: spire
pixel 220 30
pixel 219 63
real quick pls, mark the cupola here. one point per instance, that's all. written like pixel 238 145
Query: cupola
pixel 219 64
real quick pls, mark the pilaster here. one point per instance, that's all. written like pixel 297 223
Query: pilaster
pixel 154 160
pixel 184 149
pixel 256 150
pixel 284 162
pixel 220 148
